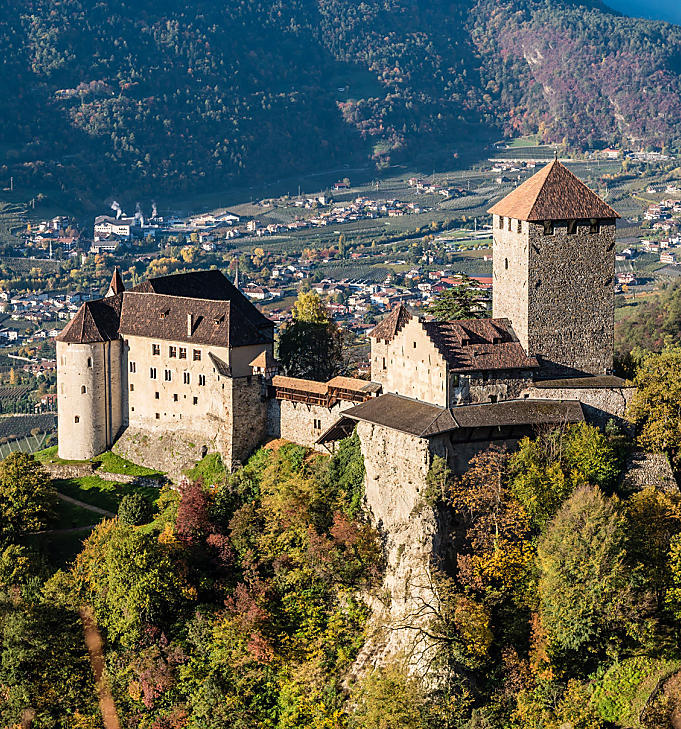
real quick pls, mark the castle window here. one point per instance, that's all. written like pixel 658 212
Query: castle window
pixel 152 373
pixel 202 379
pixel 76 419
pixel 195 400
pixel 89 361
pixel 501 223
pixel 492 398
pixel 317 424
pixel 572 227
pixel 132 388
pixel 158 416
pixel 83 389
pixel 414 345
pixel 156 349
pixel 133 367
pixel 594 226
pixel 186 377
pixel 510 224
pixel 384 367
pixel 506 263
pixel 157 396
pixel 172 351
pixel 196 355
pixel 183 353
pixel 167 375
pixel 548 227
pixel 175 397
pixel 519 228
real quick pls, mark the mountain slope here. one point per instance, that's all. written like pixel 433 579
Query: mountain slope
pixel 163 95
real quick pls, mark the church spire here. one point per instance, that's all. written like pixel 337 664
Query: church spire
pixel 116 286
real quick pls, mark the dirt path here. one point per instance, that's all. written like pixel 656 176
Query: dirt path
pixel 93 642
pixel 89 507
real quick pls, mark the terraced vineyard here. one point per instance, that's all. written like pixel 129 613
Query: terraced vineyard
pixel 20 426
pixel 11 220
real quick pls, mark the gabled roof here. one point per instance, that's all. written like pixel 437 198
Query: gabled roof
pixel 553 193
pixel 213 285
pixel 95 321
pixel 426 420
pixel 473 345
pixel 388 328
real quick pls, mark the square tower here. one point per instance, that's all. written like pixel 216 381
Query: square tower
pixel 554 267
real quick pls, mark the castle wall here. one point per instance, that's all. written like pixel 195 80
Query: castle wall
pixel 600 404
pixel 302 423
pixel 246 409
pixel 510 268
pixel 571 298
pixel 90 413
pixel 414 366
pixel 487 387
pixel 380 359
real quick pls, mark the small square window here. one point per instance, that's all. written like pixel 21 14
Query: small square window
pixel 156 396
pixel 175 397
pixel 195 400
pixel 132 387
pixel 158 416
pixel 183 353
pixel 156 349
pixel 196 355
pixel 172 351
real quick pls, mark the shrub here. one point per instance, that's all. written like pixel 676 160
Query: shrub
pixel 134 509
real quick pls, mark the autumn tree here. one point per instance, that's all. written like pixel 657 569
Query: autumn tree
pixel 26 496
pixel 584 585
pixel 656 405
pixel 311 346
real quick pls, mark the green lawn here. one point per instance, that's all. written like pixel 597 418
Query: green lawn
pixel 69 516
pixel 108 462
pixel 98 492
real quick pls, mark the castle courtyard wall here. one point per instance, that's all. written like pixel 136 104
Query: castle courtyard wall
pixel 302 423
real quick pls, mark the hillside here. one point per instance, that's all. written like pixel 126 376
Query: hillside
pixel 154 97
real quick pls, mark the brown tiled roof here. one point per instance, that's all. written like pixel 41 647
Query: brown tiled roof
pixel 582 383
pixel 213 285
pixel 220 365
pixel 554 193
pixel 95 321
pixel 353 384
pixel 391 325
pixel 297 383
pixel 264 360
pixel 474 345
pixel 426 420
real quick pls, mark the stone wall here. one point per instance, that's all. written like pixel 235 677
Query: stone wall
pixel 172 452
pixel 246 428
pixel 302 423
pixel 487 387
pixel 600 404
pixel 571 298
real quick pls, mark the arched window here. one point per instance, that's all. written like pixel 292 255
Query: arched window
pixel 83 389
pixel 76 419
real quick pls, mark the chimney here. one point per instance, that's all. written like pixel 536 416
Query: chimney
pixel 190 324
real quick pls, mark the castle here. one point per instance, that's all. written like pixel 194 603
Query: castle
pixel 182 365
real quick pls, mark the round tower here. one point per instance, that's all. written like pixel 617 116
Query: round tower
pixel 89 380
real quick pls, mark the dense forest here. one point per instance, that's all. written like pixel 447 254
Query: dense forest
pixel 171 96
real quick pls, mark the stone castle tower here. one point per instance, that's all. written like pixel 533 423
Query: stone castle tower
pixel 554 265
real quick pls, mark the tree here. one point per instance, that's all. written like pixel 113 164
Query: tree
pixel 656 405
pixel 583 581
pixel 388 698
pixel 26 496
pixel 461 302
pixel 134 509
pixel 311 346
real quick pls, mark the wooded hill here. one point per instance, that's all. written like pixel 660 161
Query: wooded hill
pixel 165 96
